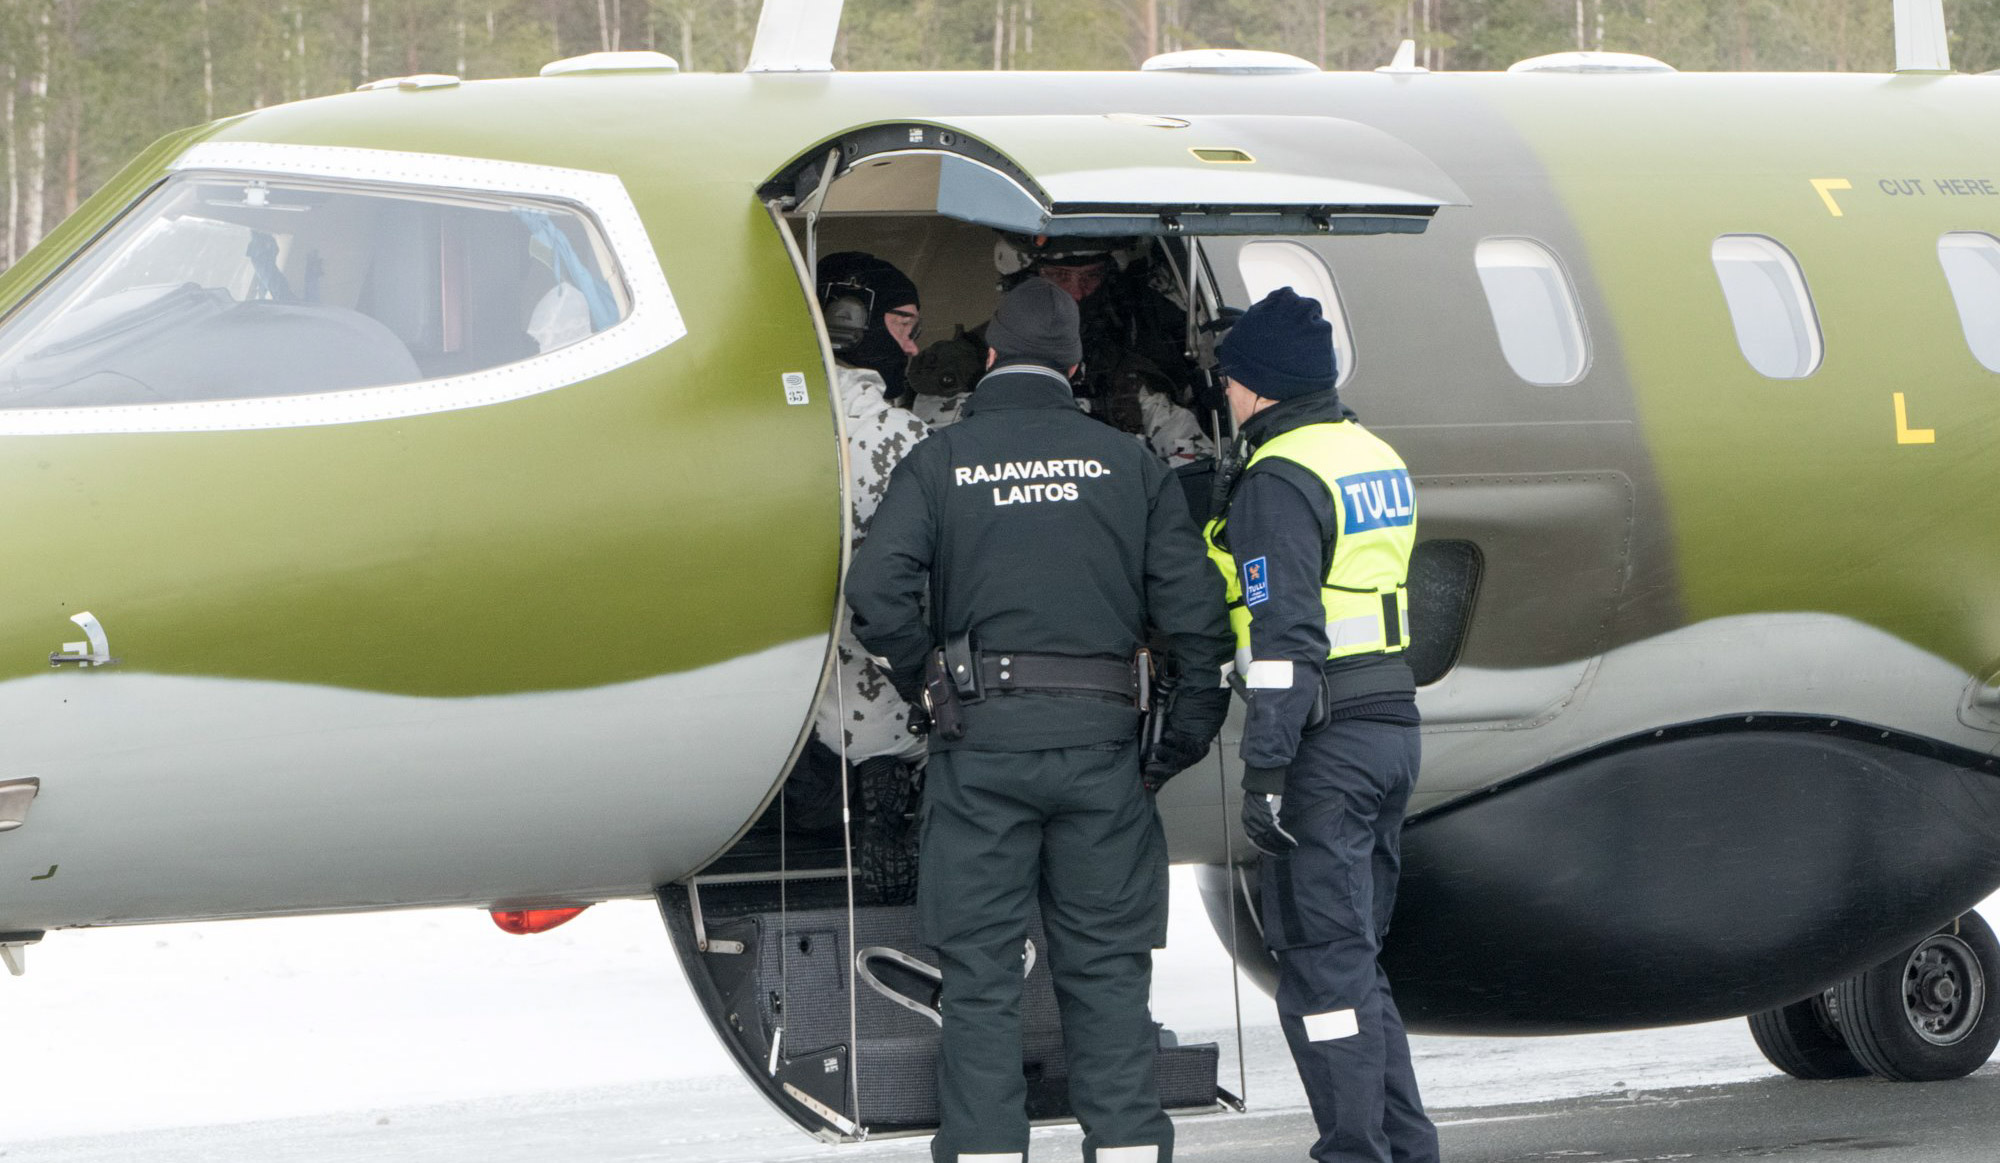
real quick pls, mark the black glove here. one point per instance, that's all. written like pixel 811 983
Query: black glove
pixel 909 684
pixel 1198 712
pixel 1260 823
pixel 1173 754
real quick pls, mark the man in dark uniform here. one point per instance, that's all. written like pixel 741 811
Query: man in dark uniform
pixel 1047 546
pixel 1315 552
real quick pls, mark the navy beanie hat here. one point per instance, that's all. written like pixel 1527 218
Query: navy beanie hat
pixel 1036 322
pixel 1280 348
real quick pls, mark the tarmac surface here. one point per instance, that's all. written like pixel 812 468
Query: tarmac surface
pixel 432 1037
pixel 1770 1118
pixel 1775 1118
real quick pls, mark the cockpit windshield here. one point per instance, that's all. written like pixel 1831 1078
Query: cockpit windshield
pixel 231 287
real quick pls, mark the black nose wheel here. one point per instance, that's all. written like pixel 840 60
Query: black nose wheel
pixel 1923 1015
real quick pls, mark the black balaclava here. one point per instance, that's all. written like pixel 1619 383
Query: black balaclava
pixel 887 289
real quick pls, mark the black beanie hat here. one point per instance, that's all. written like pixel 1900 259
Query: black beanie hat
pixel 1280 348
pixel 1036 322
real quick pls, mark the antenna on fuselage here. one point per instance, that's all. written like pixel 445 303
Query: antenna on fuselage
pixel 1922 43
pixel 795 36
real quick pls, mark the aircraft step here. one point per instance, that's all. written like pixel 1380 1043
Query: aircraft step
pixel 794 974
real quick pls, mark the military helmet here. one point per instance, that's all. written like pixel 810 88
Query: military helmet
pixel 1014 253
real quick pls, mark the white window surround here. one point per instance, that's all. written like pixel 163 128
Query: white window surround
pixel 654 321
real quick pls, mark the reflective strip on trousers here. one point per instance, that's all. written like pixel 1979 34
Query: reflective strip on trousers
pixel 1327 1027
pixel 1006 1157
pixel 1146 1154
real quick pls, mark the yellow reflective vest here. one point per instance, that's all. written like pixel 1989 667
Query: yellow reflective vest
pixel 1365 592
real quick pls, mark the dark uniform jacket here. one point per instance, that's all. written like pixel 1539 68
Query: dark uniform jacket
pixel 1039 529
pixel 1283 513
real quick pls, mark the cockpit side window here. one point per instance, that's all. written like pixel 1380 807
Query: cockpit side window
pixel 233 287
pixel 236 287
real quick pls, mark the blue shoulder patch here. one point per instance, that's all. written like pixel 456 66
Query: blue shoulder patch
pixel 1256 582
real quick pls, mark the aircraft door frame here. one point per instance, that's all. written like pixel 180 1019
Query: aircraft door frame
pixel 1165 180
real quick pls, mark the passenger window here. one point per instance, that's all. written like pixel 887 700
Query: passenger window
pixel 1266 266
pixel 234 287
pixel 1972 266
pixel 1534 310
pixel 1776 325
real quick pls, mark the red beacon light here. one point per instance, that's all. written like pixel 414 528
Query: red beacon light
pixel 522 922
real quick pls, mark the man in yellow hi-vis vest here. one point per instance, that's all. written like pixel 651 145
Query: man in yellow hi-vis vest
pixel 1315 552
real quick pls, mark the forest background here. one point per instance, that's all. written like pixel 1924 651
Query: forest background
pixel 89 83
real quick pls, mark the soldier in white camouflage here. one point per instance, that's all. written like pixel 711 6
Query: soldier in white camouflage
pixel 879 434
pixel 872 313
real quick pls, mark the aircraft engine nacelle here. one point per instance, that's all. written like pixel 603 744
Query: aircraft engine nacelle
pixel 1710 872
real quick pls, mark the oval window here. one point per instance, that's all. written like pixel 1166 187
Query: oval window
pixel 1971 263
pixel 1266 266
pixel 1534 310
pixel 1776 325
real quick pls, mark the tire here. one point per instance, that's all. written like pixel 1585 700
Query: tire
pixel 1802 1040
pixel 1929 1013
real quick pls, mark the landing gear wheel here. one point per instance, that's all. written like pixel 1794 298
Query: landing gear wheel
pixel 885 852
pixel 1802 1040
pixel 1930 1013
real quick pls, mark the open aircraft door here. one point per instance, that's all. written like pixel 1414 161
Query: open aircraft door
pixel 1070 175
pixel 826 1002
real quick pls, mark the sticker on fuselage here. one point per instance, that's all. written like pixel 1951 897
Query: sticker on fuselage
pixel 795 388
pixel 1377 500
pixel 1256 582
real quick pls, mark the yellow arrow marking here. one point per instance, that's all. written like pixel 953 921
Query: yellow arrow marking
pixel 1826 187
pixel 1906 434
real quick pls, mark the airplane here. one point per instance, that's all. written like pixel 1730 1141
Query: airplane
pixel 446 485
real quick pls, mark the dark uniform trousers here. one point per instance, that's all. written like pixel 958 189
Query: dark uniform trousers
pixel 1326 908
pixel 1074 826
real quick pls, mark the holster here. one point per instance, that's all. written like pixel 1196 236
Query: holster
pixel 1159 705
pixel 951 680
pixel 941 700
pixel 1322 709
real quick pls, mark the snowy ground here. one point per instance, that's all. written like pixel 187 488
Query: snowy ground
pixel 432 1035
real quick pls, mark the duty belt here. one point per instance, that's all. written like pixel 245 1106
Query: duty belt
pixel 1020 671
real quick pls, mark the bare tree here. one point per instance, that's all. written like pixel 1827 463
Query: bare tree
pixel 38 127
pixel 13 172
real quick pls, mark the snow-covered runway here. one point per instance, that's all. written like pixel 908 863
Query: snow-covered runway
pixel 433 1036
